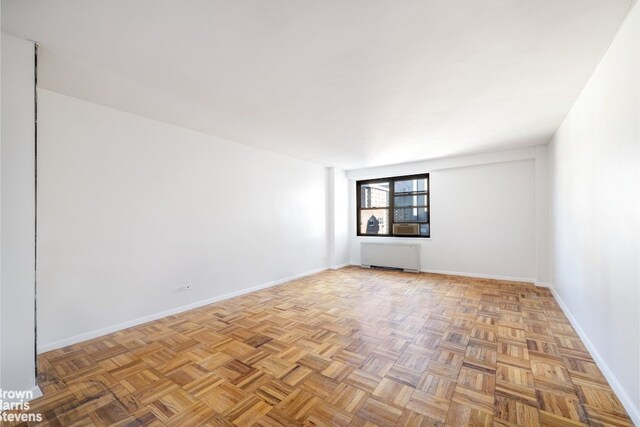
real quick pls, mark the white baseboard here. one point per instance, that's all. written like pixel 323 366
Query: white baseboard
pixel 480 276
pixel 109 329
pixel 542 284
pixel 339 266
pixel 633 411
pixel 36 392
pixel 627 402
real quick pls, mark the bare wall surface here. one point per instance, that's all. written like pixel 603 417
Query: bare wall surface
pixel 18 215
pixel 595 214
pixel 482 215
pixel 130 208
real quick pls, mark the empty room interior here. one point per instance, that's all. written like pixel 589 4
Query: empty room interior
pixel 322 213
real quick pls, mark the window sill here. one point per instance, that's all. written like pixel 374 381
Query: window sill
pixel 394 237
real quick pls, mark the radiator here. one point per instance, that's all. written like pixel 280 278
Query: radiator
pixel 396 255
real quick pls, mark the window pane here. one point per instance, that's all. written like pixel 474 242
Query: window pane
pixel 410 215
pixel 415 200
pixel 374 195
pixel 424 229
pixel 409 185
pixel 374 221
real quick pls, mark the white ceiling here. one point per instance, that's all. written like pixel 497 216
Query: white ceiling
pixel 346 83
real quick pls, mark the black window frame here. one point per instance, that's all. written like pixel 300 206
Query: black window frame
pixel 392 180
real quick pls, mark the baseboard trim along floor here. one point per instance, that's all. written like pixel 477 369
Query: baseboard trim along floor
pixel 632 410
pixel 341 347
pixel 155 316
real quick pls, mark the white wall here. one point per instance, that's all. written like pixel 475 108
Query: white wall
pixel 18 215
pixel 129 208
pixel 595 214
pixel 483 216
pixel 338 206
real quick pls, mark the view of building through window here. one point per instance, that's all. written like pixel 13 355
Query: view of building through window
pixel 374 220
pixel 389 201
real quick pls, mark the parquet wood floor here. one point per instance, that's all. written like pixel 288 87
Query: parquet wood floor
pixel 351 347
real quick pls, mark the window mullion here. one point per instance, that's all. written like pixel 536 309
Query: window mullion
pixel 392 205
pixel 406 197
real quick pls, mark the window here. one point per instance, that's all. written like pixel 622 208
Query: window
pixel 397 206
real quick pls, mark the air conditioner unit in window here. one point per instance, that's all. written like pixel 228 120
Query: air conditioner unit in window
pixel 406 229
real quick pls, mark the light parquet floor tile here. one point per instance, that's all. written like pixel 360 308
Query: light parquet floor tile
pixel 345 347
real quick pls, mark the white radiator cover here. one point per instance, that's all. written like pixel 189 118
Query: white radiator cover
pixel 397 255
